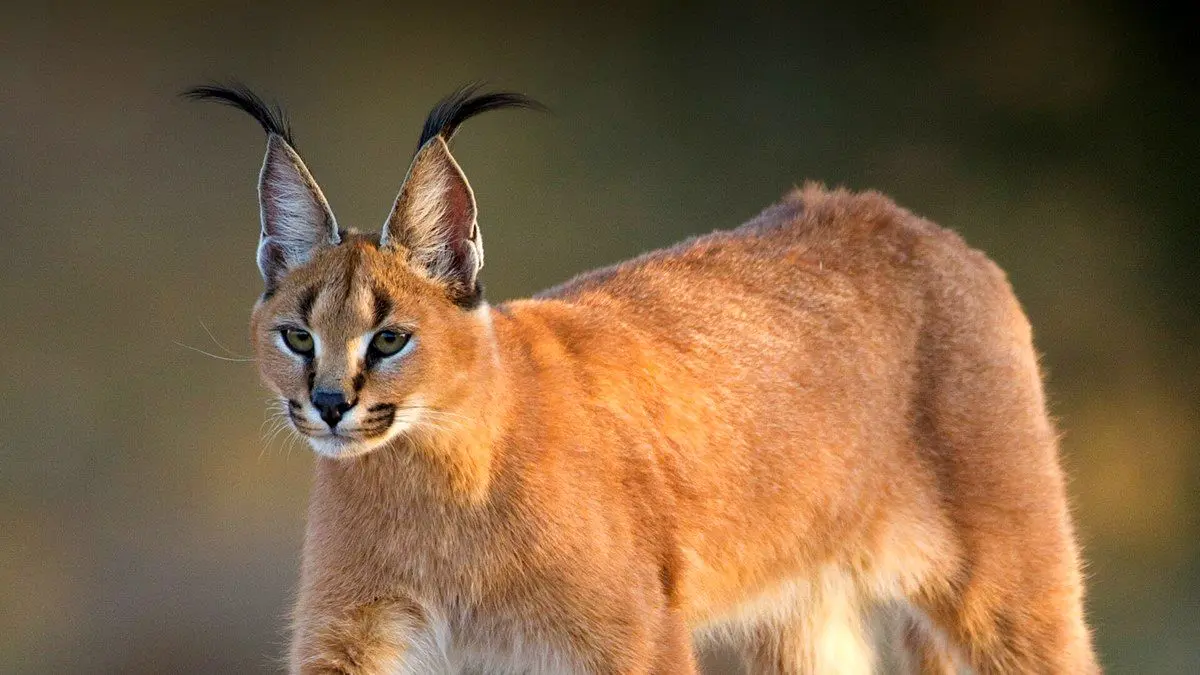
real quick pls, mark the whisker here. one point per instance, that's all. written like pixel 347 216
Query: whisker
pixel 274 421
pixel 447 413
pixel 217 342
pixel 285 433
pixel 215 356
pixel 275 433
pixel 292 438
pixel 263 445
pixel 425 410
pixel 277 423
pixel 428 425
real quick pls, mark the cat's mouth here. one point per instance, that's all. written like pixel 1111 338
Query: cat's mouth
pixel 353 435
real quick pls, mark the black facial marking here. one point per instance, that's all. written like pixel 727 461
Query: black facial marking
pixel 471 299
pixel 379 425
pixel 359 380
pixel 383 305
pixel 306 304
pixel 380 407
pixel 312 377
pixel 371 360
pixel 346 282
pixel 275 260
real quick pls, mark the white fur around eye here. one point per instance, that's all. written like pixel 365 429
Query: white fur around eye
pixel 361 344
pixel 407 348
pixel 364 345
pixel 281 343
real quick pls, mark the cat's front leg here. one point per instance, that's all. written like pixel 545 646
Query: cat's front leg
pixel 383 636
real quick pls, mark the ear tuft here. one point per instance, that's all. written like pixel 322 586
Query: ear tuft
pixel 296 219
pixel 434 220
pixel 462 105
pixel 269 116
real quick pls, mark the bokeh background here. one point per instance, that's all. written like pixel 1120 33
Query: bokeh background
pixel 145 526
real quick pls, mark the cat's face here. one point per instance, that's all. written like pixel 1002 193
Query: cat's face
pixel 366 338
pixel 360 348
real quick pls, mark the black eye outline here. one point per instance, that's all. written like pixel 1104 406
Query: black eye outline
pixel 290 332
pixel 376 352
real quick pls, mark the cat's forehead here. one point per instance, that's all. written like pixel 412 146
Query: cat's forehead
pixel 353 284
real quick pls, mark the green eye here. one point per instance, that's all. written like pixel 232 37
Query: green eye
pixel 388 342
pixel 299 341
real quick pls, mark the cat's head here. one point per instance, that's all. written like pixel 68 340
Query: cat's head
pixel 365 337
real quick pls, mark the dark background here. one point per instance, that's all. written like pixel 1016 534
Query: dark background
pixel 144 527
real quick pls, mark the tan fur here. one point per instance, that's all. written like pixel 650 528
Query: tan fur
pixel 761 435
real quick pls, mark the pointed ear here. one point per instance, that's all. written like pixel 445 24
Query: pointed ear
pixel 434 223
pixel 296 219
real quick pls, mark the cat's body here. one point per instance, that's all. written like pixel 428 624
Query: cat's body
pixel 769 437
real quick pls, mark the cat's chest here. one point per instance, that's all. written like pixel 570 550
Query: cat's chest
pixel 436 553
pixel 491 605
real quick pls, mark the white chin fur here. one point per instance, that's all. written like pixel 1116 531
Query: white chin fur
pixel 336 447
pixel 340 447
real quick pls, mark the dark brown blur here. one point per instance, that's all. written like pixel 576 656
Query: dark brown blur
pixel 147 527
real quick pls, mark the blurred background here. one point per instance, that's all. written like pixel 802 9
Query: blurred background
pixel 145 525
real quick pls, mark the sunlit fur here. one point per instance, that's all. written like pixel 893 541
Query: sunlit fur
pixel 770 436
pixel 822 430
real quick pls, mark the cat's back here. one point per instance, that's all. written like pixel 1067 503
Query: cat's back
pixel 818 256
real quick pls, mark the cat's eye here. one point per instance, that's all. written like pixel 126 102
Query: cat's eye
pixel 298 340
pixel 389 342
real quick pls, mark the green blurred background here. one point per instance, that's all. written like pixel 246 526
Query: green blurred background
pixel 144 527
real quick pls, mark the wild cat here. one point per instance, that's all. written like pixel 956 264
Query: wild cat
pixel 770 436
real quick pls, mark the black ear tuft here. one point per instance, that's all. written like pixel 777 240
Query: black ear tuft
pixel 270 116
pixel 464 104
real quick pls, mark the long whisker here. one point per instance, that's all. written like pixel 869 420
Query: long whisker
pixel 282 422
pixel 425 410
pixel 278 429
pixel 217 342
pixel 431 425
pixel 282 431
pixel 292 438
pixel 272 419
pixel 215 356
pixel 275 424
pixel 276 407
pixel 262 448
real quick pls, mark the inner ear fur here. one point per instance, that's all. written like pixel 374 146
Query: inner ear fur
pixel 296 218
pixel 434 222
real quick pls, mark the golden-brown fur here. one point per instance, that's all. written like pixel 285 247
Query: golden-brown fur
pixel 761 436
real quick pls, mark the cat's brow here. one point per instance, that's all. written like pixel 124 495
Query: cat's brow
pixel 306 304
pixel 383 305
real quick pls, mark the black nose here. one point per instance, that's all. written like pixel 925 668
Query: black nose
pixel 331 404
